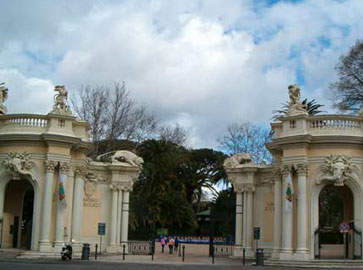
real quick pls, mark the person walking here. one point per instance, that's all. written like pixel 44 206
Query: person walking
pixel 162 241
pixel 176 244
pixel 171 244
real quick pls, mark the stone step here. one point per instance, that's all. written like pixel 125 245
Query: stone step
pixel 335 264
pixel 42 255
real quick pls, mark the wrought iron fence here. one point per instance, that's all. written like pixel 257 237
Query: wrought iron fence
pixel 139 247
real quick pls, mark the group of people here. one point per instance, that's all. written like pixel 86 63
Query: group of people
pixel 172 243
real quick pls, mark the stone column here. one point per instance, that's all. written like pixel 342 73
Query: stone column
pixel 44 243
pixel 249 223
pixel 125 217
pixel 112 246
pixel 61 209
pixel 277 216
pixel 244 222
pixel 237 252
pixel 119 217
pixel 287 220
pixel 302 210
pixel 77 213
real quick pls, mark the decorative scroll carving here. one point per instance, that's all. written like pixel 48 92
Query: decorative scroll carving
pixel 3 98
pixel 64 167
pixel 49 165
pixel 336 169
pixel 238 160
pixel 285 170
pixel 60 101
pixel 295 105
pixel 302 169
pixel 18 163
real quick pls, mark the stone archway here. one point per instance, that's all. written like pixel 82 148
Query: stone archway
pixel 335 206
pixel 18 214
pixel 356 191
pixel 5 179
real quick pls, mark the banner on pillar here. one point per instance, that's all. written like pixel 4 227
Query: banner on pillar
pixel 289 193
pixel 61 189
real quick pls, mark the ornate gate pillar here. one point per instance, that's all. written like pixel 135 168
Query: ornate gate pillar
pixel 125 167
pixel 44 244
pixel 302 224
pixel 241 171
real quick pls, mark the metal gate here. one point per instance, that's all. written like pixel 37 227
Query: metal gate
pixel 357 243
pixel 317 244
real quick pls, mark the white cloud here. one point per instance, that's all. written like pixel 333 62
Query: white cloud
pixel 27 92
pixel 203 64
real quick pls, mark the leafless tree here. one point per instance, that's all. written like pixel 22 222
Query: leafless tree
pixel 91 104
pixel 176 134
pixel 143 125
pixel 113 114
pixel 246 138
pixel 348 90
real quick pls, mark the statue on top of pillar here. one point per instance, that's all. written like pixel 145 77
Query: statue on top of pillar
pixel 60 101
pixel 3 98
pixel 295 105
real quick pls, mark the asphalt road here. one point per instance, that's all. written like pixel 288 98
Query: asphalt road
pixel 75 265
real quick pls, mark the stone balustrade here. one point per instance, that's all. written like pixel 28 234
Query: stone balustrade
pixel 19 122
pixel 318 125
pixel 39 124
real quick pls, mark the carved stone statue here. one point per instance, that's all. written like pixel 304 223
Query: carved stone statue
pixel 18 163
pixel 238 160
pixel 60 101
pixel 295 105
pixel 127 157
pixel 336 169
pixel 3 98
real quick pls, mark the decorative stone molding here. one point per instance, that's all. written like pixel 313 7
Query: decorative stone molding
pixel 238 160
pixel 295 105
pixel 49 165
pixel 18 164
pixel 64 167
pixel 3 98
pixel 122 186
pixel 277 172
pixel 285 170
pixel 336 169
pixel 60 101
pixel 302 169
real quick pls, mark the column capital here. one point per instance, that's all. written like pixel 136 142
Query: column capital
pixel 64 167
pixel 302 169
pixel 80 171
pixel 285 170
pixel 49 165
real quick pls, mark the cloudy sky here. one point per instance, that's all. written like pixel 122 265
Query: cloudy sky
pixel 201 63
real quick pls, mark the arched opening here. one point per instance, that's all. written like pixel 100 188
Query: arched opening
pixel 18 215
pixel 336 206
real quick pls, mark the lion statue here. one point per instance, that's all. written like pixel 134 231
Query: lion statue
pixel 237 160
pixel 124 156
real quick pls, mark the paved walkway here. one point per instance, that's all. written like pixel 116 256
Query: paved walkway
pixel 194 254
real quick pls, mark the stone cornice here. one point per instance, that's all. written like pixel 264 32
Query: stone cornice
pixel 308 140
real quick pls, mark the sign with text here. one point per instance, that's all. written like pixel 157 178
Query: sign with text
pixel 256 233
pixel 101 228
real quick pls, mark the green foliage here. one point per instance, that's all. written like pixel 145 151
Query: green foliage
pixel 223 211
pixel 171 184
pixel 311 107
